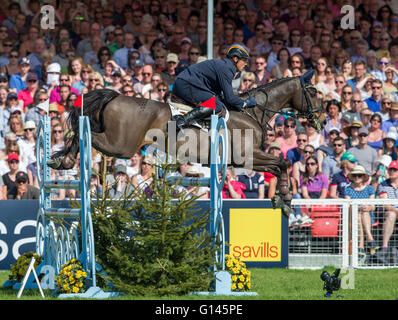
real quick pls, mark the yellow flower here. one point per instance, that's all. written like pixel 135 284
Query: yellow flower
pixel 240 285
pixel 248 285
pixel 75 289
pixel 234 278
pixel 233 286
pixel 229 264
pixel 241 278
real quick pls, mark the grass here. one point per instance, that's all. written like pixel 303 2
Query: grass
pixel 275 284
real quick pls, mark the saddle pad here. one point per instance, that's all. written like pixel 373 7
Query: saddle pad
pixel 181 109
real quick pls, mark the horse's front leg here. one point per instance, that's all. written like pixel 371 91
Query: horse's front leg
pixel 265 162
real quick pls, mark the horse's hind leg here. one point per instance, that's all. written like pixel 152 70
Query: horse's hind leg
pixel 65 162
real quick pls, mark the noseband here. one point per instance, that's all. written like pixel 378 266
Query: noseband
pixel 309 114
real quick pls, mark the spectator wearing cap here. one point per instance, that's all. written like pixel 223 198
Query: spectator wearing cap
pixel 27 145
pixel 22 189
pixel 11 101
pixel 366 155
pixel 18 80
pixel 10 171
pixel 388 144
pixel 393 120
pixel 275 149
pixel 389 190
pixel 169 75
pixel 120 55
pixel 38 111
pixel 122 185
pixel 28 94
pixel 330 162
pixel 381 170
pixel 374 101
pixel 138 66
pixel 366 113
pixel 183 55
pixel 278 126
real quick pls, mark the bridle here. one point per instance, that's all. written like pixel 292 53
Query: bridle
pixel 309 114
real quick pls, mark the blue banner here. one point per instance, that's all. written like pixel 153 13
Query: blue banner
pixel 254 232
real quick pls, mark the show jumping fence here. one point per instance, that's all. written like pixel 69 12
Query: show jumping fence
pixel 60 231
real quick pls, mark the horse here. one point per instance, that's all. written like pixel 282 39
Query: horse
pixel 119 123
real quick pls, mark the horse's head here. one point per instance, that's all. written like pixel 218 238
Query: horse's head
pixel 311 105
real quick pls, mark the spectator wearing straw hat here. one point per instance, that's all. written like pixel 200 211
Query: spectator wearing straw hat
pixel 359 189
pixel 169 75
pixel 351 131
pixel 195 191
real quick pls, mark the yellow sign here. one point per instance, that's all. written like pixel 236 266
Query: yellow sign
pixel 255 234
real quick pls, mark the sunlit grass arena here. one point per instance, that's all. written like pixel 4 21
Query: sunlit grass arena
pixel 273 284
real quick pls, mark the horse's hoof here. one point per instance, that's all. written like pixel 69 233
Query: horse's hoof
pixel 276 201
pixel 54 163
pixel 285 210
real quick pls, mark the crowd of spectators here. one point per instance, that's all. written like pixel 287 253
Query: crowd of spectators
pixel 138 48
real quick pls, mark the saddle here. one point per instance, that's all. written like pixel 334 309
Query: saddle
pixel 180 106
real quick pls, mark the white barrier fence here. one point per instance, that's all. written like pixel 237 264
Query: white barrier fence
pixel 344 233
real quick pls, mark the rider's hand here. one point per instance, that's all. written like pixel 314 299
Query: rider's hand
pixel 249 103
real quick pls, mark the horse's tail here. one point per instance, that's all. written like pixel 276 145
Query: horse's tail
pixel 94 104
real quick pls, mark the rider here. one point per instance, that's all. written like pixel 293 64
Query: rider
pixel 202 81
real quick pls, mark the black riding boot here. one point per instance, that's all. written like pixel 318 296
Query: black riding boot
pixel 183 121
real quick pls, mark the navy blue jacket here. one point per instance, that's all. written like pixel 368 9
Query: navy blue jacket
pixel 214 76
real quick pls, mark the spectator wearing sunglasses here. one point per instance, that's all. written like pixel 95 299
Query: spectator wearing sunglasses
pixel 22 189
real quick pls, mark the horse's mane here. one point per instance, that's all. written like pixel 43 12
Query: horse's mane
pixel 266 86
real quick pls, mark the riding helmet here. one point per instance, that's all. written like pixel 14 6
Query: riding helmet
pixel 236 50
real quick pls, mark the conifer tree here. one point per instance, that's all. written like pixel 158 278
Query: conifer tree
pixel 154 242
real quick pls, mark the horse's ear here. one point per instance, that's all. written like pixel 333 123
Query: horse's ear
pixel 306 78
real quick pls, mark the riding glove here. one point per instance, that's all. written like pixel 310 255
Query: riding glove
pixel 249 103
